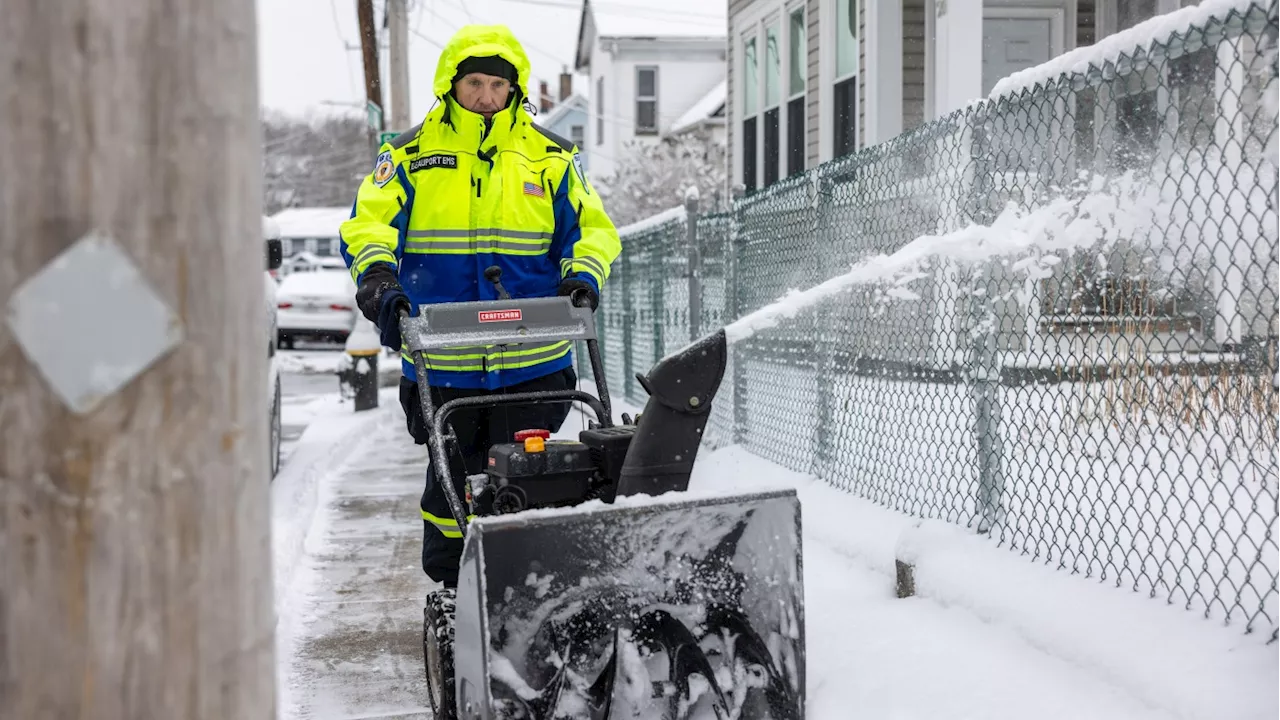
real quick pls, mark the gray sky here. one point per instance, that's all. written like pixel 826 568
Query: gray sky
pixel 304 62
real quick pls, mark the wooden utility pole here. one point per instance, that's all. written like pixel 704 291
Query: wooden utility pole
pixel 135 548
pixel 369 52
pixel 398 24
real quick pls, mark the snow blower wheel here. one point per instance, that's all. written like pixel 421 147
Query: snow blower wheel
pixel 437 650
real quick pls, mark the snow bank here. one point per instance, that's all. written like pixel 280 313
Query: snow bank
pixel 1166 661
pixel 1160 653
pixel 334 433
pixel 310 363
pixel 1128 42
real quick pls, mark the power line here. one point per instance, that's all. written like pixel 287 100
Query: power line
pixel 346 47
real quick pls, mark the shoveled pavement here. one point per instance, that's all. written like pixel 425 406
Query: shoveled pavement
pixel 351 620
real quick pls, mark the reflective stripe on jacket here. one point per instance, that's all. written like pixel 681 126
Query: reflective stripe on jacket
pixel 456 195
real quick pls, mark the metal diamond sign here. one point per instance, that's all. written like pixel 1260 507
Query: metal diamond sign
pixel 90 323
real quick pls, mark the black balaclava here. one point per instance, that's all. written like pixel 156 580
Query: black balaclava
pixel 489 65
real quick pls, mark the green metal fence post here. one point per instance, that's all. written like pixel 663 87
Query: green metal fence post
pixel 984 357
pixel 657 279
pixel 732 310
pixel 628 333
pixel 824 347
pixel 695 267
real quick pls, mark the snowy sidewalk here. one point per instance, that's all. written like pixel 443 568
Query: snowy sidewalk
pixel 350 626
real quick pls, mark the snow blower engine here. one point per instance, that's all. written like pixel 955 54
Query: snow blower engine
pixel 538 472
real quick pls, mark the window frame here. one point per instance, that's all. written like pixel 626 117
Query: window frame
pixel 793 9
pixel 753 24
pixel 771 165
pixel 753 152
pixel 837 79
pixel 600 111
pixel 657 123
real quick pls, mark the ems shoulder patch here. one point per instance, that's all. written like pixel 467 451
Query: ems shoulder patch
pixel 383 169
pixel 434 161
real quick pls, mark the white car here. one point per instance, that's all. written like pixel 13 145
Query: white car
pixel 271 239
pixel 320 304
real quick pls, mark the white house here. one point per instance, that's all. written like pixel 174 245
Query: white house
pixel 312 230
pixel 811 80
pixel 654 68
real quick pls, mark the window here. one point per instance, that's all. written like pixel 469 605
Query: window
pixel 772 99
pixel 646 101
pixel 600 110
pixel 750 78
pixel 845 105
pixel 798 61
pixel 576 135
pixel 1132 12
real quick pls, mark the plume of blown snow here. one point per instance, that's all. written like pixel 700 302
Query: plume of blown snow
pixel 1041 237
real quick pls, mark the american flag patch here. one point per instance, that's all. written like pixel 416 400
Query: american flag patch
pixel 534 189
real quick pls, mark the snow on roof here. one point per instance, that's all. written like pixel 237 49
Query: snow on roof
pixel 1158 29
pixel 560 108
pixel 335 283
pixel 270 229
pixel 312 222
pixel 704 108
pixel 658 18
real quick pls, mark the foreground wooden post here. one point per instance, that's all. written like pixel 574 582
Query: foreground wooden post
pixel 134 542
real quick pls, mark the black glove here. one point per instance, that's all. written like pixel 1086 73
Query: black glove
pixel 379 298
pixel 578 290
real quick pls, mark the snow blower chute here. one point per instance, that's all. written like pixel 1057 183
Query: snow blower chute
pixel 592 585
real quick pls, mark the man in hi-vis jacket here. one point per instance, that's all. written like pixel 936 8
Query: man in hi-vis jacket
pixel 476 184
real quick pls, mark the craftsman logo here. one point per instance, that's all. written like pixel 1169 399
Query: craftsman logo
pixel 434 161
pixel 501 315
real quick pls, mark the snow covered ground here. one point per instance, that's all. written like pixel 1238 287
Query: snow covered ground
pixel 989 635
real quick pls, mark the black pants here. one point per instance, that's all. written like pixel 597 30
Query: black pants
pixel 477 429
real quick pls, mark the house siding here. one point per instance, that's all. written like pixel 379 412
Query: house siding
pixel 913 63
pixel 813 117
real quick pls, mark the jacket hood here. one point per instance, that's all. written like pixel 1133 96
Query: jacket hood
pixel 480 41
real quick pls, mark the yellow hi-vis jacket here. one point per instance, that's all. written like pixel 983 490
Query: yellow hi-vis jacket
pixel 456 195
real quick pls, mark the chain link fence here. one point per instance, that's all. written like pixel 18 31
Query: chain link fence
pixel 1053 316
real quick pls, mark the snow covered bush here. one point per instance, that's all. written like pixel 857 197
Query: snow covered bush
pixel 655 176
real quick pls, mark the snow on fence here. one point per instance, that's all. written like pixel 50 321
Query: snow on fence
pixel 1050 316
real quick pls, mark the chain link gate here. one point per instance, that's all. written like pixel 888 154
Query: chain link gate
pixel 1061 329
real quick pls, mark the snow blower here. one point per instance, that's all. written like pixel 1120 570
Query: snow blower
pixel 592 584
